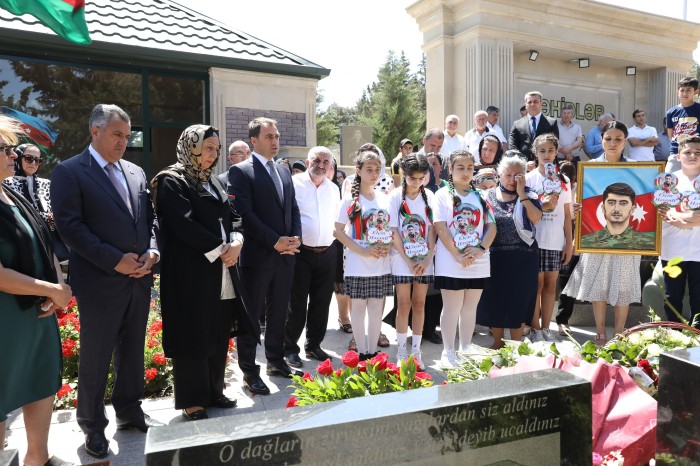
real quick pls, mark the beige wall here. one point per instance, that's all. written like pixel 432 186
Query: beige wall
pixel 245 89
pixel 477 55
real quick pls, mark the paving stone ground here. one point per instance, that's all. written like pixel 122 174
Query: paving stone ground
pixel 127 447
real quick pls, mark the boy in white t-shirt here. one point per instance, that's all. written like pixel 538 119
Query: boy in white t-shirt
pixel 553 233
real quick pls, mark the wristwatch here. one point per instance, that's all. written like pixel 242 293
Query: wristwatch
pixel 481 247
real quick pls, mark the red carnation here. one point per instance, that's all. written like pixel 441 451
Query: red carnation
pixel 292 402
pixel 325 368
pixel 231 345
pixel 152 342
pixel 380 361
pixel 648 370
pixel 159 358
pixel 423 376
pixel 151 373
pixel 351 359
pixel 307 377
pixel 155 327
pixel 64 390
pixel 72 303
pixel 68 348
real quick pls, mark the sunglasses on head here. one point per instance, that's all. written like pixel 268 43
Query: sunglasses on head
pixel 7 149
pixel 30 159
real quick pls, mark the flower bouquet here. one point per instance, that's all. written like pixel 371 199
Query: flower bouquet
pixel 356 379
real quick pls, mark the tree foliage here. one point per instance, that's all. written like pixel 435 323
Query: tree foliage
pixel 328 122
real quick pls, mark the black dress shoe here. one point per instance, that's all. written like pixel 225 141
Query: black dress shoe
pixel 283 369
pixel 256 385
pixel 317 354
pixel 434 338
pixel 368 356
pixel 141 424
pixel 195 415
pixel 294 360
pixel 223 402
pixel 97 445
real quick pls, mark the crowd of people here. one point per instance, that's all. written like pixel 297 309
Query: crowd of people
pixel 467 230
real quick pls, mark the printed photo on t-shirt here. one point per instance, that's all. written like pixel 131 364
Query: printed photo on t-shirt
pixel 465 219
pixel 375 226
pixel 414 236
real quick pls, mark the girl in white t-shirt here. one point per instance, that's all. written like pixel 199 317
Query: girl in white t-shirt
pixel 465 228
pixel 553 233
pixel 363 228
pixel 414 247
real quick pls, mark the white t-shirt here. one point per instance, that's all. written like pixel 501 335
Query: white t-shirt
pixel 373 225
pixel 497 131
pixel 677 242
pixel 413 232
pixel 549 232
pixel 641 154
pixel 466 225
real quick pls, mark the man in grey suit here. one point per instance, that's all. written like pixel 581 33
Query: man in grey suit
pixel 104 213
pixel 534 123
pixel 238 151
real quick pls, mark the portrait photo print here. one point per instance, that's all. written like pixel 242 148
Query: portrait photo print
pixel 617 214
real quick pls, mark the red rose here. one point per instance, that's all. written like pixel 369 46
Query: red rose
pixel 307 377
pixel 231 345
pixel 394 369
pixel 151 373
pixel 292 402
pixel 423 376
pixel 351 359
pixel 159 358
pixel 155 327
pixel 60 313
pixel 64 390
pixel 362 366
pixel 152 342
pixel 325 368
pixel 380 361
pixel 68 348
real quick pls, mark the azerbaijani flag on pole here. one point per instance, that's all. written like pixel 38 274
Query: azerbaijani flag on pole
pixel 597 177
pixel 64 17
pixel 33 127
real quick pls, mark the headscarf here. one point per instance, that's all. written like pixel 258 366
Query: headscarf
pixel 188 152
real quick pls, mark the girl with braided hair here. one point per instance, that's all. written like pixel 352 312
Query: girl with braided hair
pixel 465 228
pixel 412 260
pixel 367 278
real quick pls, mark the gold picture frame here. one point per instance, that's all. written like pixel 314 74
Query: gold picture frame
pixel 631 224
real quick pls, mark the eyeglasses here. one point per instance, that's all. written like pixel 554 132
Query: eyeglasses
pixel 9 150
pixel 29 159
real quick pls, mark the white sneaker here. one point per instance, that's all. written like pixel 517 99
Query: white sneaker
pixel 418 357
pixel 449 357
pixel 527 329
pixel 536 335
pixel 401 355
pixel 548 335
pixel 472 350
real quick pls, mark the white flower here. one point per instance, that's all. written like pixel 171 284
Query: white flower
pixel 654 350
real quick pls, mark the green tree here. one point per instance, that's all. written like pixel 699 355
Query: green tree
pixel 328 122
pixel 392 105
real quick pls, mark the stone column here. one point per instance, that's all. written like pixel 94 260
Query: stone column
pixel 662 94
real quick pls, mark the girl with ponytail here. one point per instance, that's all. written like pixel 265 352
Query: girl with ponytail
pixel 363 228
pixel 414 243
pixel 465 228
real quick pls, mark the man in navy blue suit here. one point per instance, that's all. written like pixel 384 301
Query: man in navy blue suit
pixel 534 123
pixel 264 197
pixel 104 213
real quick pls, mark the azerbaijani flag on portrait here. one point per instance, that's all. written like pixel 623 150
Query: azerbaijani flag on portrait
pixel 64 17
pixel 597 177
pixel 34 128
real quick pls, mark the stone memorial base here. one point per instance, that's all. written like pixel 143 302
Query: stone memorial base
pixel 9 458
pixel 539 418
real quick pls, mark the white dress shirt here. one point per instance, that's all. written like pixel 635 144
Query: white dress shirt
pixel 318 208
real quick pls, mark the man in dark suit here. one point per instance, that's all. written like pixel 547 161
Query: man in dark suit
pixel 104 213
pixel 264 197
pixel 526 129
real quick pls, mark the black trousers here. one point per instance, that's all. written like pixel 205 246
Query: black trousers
pixel 199 381
pixel 566 303
pixel 257 285
pixel 313 283
pixel 111 325
pixel 675 290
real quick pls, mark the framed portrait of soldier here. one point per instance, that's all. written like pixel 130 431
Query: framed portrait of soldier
pixel 618 211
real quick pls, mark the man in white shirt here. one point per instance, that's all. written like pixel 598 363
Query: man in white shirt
pixel 570 136
pixel 318 199
pixel 493 113
pixel 477 133
pixel 453 141
pixel 642 138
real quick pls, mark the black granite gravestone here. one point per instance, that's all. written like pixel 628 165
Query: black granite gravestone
pixel 678 412
pixel 540 418
pixel 9 458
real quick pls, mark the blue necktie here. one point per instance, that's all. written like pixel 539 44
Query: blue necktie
pixel 533 126
pixel 275 179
